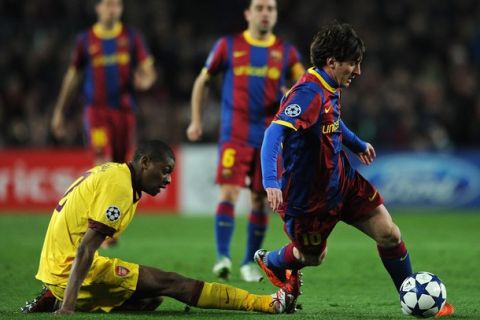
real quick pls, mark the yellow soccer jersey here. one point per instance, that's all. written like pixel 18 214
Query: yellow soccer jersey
pixel 103 199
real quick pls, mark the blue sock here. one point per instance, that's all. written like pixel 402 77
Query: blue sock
pixel 257 225
pixel 397 262
pixel 224 224
pixel 283 259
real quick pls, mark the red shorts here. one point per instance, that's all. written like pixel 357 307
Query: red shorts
pixel 110 133
pixel 239 165
pixel 309 232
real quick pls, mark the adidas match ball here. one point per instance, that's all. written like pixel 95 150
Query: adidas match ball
pixel 422 295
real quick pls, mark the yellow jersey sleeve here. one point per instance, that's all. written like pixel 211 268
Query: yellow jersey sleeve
pixel 112 205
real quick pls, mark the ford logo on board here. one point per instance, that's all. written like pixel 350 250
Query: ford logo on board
pixel 425 179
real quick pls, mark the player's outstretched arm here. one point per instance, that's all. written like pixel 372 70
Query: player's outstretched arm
pixel 269 154
pixel 194 130
pixel 364 150
pixel 69 84
pixel 81 265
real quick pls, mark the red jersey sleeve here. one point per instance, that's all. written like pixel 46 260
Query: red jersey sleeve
pixel 295 63
pixel 141 52
pixel 300 108
pixel 79 54
pixel 217 59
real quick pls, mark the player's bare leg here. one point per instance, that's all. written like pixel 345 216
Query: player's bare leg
pixel 224 225
pixel 153 282
pixel 380 227
pixel 140 304
pixel 386 233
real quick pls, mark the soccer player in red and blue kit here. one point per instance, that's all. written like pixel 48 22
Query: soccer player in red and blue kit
pixel 114 61
pixel 256 66
pixel 319 187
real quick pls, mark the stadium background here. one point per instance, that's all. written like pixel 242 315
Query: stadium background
pixel 417 101
pixel 418 91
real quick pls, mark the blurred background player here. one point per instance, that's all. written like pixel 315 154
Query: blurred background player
pixel 102 203
pixel 256 66
pixel 114 61
pixel 319 187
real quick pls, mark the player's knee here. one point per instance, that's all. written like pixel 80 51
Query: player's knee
pixel 258 201
pixel 229 193
pixel 390 236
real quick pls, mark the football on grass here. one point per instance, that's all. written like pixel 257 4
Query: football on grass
pixel 422 295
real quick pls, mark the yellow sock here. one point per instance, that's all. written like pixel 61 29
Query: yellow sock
pixel 221 296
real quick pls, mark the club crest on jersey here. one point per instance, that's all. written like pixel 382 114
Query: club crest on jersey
pixel 293 110
pixel 121 271
pixel 113 213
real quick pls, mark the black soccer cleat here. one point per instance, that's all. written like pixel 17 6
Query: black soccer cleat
pixel 44 302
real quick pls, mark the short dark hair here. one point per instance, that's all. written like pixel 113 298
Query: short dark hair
pixel 337 40
pixel 155 150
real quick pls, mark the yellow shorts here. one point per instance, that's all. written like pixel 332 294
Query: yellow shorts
pixel 109 283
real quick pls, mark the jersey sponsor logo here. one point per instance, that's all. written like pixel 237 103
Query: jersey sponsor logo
pixel 330 128
pixel 249 70
pixel 111 59
pixel 121 271
pixel 112 213
pixel 327 110
pixel 238 54
pixel 293 110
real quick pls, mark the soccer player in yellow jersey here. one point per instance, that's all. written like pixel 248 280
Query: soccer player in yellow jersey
pixel 100 204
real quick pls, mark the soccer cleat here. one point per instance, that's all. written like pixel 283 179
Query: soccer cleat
pixel 44 302
pixel 294 283
pixel 277 277
pixel 447 310
pixel 280 300
pixel 285 299
pixel 250 273
pixel 222 268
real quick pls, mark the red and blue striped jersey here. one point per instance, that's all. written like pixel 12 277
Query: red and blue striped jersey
pixel 109 59
pixel 313 159
pixel 254 73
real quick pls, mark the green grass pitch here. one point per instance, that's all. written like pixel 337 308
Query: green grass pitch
pixel 351 284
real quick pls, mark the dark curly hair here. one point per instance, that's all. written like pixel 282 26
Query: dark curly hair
pixel 337 40
pixel 155 150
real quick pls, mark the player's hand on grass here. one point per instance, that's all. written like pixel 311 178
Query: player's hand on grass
pixel 63 312
pixel 274 197
pixel 368 155
pixel 194 131
pixel 58 127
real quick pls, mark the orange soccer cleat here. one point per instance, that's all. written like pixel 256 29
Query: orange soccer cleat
pixel 447 310
pixel 277 278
